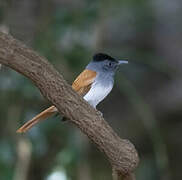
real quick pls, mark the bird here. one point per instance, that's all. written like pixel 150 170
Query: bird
pixel 94 83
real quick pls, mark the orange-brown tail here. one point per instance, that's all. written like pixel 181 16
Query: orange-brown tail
pixel 40 117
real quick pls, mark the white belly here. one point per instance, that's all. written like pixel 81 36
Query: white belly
pixel 98 92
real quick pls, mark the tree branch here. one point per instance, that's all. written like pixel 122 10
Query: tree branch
pixel 120 153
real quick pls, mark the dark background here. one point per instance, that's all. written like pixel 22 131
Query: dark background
pixel 145 105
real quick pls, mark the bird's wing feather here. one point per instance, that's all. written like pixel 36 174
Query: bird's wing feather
pixel 83 82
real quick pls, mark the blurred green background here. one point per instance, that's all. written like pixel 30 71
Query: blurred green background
pixel 145 105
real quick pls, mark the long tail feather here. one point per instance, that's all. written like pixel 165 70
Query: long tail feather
pixel 40 117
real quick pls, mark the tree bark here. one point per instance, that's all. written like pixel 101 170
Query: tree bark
pixel 121 153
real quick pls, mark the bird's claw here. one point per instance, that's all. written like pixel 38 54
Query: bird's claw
pixel 100 113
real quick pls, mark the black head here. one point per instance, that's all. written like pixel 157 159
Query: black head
pixel 103 63
pixel 102 57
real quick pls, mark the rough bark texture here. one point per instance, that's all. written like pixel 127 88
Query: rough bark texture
pixel 121 153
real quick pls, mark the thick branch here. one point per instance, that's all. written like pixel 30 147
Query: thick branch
pixel 121 153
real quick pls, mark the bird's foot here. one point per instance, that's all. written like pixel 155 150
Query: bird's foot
pixel 100 113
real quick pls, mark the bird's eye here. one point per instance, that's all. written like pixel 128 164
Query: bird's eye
pixel 110 64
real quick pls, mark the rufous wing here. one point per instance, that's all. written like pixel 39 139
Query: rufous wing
pixel 83 82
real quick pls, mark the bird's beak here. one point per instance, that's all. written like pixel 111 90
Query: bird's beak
pixel 123 62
